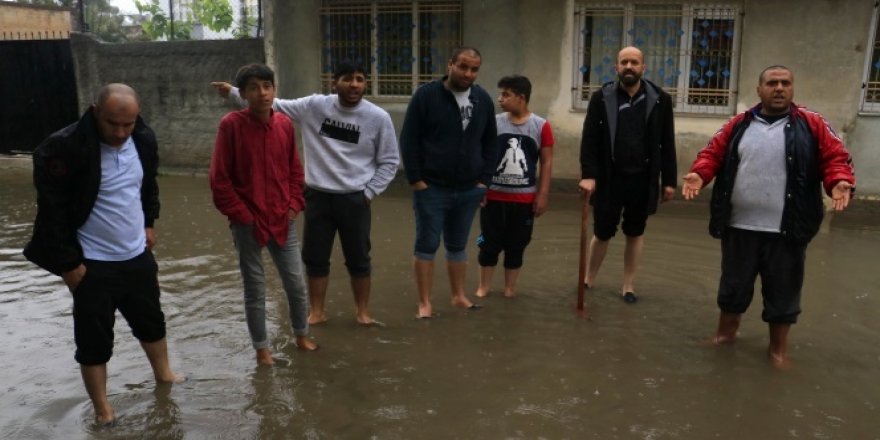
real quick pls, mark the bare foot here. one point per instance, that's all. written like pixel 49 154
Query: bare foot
pixel 264 357
pixel 717 340
pixel 315 319
pixel 305 344
pixel 366 321
pixel 105 418
pixel 481 293
pixel 425 311
pixel 462 301
pixel 779 361
pixel 173 378
pixel 509 293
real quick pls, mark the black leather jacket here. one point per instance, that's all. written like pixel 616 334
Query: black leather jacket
pixel 67 176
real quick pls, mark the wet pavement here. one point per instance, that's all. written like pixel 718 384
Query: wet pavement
pixel 526 367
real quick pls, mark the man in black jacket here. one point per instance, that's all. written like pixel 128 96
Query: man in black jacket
pixel 448 149
pixel 97 199
pixel 627 152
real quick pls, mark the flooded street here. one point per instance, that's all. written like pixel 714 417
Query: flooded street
pixel 526 367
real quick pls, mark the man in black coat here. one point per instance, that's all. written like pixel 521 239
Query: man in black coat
pixel 627 153
pixel 97 199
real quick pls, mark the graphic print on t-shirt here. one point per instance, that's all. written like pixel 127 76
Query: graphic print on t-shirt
pixel 513 168
pixel 513 163
pixel 465 107
pixel 341 131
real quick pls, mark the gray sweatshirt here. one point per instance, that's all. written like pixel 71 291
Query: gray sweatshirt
pixel 345 149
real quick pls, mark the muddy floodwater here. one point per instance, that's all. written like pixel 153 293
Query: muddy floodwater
pixel 521 368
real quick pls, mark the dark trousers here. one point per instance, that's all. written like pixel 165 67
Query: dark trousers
pixel 505 226
pixel 132 287
pixel 747 254
pixel 328 213
pixel 629 198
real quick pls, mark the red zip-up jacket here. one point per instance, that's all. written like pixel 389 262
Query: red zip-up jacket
pixel 815 158
pixel 256 175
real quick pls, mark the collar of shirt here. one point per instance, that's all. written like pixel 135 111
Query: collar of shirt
pixel 253 117
pixel 624 96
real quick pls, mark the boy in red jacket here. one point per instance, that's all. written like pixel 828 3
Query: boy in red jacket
pixel 257 182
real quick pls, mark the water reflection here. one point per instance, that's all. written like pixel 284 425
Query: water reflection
pixel 520 368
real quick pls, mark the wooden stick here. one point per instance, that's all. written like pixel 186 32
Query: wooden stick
pixel 582 261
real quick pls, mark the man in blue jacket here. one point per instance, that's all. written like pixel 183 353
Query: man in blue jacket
pixel 449 152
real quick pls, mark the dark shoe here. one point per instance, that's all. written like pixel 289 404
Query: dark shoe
pixel 630 298
pixel 475 306
pixel 586 286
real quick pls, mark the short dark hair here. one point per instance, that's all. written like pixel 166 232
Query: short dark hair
pixel 259 71
pixel 460 50
pixel 344 68
pixel 517 84
pixel 773 67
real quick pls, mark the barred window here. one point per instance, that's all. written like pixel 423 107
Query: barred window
pixel 871 84
pixel 402 44
pixel 690 50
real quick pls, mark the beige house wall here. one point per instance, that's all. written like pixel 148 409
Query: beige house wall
pixel 823 41
pixel 29 22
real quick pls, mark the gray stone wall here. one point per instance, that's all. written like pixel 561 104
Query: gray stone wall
pixel 173 81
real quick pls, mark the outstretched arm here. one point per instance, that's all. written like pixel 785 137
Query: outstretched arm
pixel 222 88
pixel 293 108
pixel 840 195
pixel 693 183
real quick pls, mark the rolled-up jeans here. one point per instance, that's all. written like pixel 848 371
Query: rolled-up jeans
pixel 288 261
pixel 448 212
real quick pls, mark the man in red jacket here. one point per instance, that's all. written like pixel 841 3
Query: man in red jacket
pixel 257 182
pixel 770 163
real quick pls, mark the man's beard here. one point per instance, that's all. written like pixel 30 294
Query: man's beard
pixel 629 78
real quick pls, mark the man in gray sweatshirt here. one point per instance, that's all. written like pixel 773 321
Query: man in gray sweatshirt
pixel 351 155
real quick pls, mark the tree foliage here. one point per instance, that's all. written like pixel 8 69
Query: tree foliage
pixel 158 26
pixel 104 20
pixel 215 15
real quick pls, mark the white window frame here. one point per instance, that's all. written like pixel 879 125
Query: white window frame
pixel 689 12
pixel 865 106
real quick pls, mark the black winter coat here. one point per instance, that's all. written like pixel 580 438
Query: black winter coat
pixel 67 176
pixel 597 142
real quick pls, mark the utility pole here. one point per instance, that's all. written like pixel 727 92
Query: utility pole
pixel 171 16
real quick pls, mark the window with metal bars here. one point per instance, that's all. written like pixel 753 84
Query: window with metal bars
pixel 871 84
pixel 401 44
pixel 690 50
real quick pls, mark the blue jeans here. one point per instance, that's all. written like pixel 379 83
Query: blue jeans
pixel 288 261
pixel 445 211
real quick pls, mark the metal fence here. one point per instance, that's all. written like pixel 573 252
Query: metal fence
pixel 401 44
pixel 690 50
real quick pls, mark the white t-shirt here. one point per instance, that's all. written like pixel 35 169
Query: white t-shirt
pixel 465 106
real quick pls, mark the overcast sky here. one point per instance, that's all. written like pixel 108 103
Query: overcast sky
pixel 126 6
